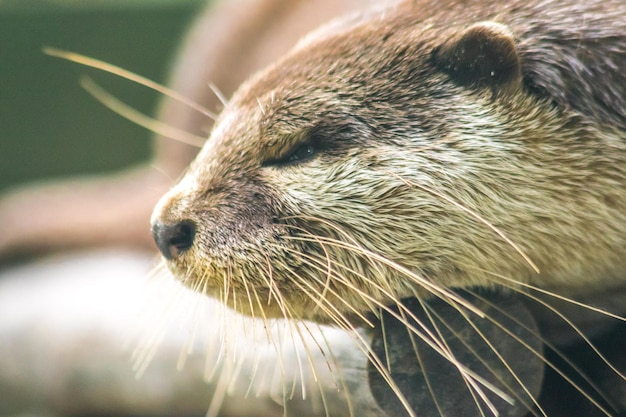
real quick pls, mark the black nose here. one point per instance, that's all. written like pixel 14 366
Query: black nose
pixel 174 239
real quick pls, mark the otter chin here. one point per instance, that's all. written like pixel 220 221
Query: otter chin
pixel 410 150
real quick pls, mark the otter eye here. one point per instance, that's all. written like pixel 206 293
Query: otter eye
pixel 302 153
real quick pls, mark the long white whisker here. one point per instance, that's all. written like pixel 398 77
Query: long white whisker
pixel 138 118
pixel 218 94
pixel 120 72
pixel 473 214
pixel 377 363
pixel 547 362
pixel 430 340
pixel 465 379
pixel 495 351
pixel 434 289
pixel 357 313
pixel 562 316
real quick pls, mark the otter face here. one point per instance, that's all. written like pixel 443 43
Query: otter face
pixel 367 166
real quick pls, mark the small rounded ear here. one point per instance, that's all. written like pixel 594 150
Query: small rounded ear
pixel 483 55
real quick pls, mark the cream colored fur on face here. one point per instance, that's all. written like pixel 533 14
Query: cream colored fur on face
pixel 513 190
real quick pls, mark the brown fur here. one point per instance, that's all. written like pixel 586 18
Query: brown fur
pixel 450 152
pixel 404 142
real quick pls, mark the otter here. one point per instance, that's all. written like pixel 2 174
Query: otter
pixel 412 154
pixel 413 151
pixel 409 151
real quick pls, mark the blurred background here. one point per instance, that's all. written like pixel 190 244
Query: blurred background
pixel 50 127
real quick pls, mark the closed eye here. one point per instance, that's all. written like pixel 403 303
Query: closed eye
pixel 302 153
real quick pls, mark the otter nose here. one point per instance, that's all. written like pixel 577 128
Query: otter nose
pixel 173 239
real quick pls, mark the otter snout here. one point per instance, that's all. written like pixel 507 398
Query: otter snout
pixel 173 239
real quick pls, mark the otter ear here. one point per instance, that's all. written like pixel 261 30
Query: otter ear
pixel 483 55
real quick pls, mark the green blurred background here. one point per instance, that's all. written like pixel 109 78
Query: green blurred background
pixel 49 126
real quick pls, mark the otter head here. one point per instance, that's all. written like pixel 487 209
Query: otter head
pixel 365 166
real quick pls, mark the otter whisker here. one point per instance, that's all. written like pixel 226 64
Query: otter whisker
pixel 429 310
pixel 469 376
pixel 378 304
pixel 385 346
pixel 552 347
pixel 554 367
pixel 219 311
pixel 234 376
pixel 341 232
pixel 560 354
pixel 440 341
pixel 245 286
pixel 327 307
pixel 233 292
pixel 223 297
pixel 144 353
pixel 422 366
pixel 253 375
pixel 223 337
pixel 439 291
pixel 337 370
pixel 434 289
pixel 288 314
pixel 252 314
pixel 296 327
pixel 357 313
pixel 268 276
pixel 220 96
pixel 270 281
pixel 288 393
pixel 431 340
pixel 220 392
pixel 362 344
pixel 270 338
pixel 131 76
pixel 329 270
pixel 140 119
pixel 194 310
pixel 225 293
pixel 298 358
pixel 257 360
pixel 563 316
pixel 474 214
pixel 560 297
pixel 211 367
pixel 323 351
pixel 154 285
